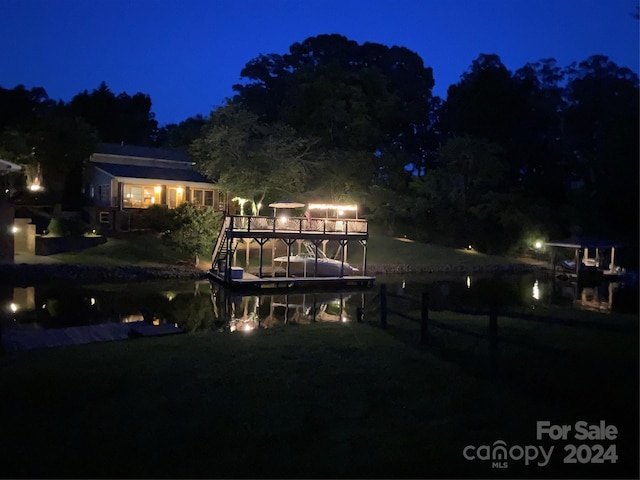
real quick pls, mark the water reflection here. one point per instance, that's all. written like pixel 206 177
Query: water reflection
pixel 246 313
pixel 195 306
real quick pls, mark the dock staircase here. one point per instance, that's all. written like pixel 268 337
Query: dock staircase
pixel 222 251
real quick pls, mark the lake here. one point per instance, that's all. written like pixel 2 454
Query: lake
pixel 196 306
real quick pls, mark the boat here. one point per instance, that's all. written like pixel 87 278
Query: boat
pixel 308 264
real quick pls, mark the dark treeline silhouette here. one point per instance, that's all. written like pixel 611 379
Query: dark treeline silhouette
pixel 546 151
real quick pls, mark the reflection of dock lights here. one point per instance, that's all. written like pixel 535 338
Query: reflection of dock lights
pixel 536 290
pixel 468 282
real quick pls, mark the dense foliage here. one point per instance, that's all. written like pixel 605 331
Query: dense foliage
pixel 547 150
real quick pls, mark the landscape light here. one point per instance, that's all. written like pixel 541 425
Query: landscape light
pixel 538 244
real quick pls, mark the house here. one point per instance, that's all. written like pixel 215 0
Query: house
pixel 121 180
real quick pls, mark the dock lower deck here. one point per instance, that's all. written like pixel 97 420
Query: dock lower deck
pixel 253 282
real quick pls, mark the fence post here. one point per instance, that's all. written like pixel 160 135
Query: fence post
pixel 424 318
pixel 383 305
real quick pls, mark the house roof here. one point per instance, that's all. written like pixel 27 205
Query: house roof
pixel 143 152
pixel 139 171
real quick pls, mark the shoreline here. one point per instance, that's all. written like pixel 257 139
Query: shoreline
pixel 32 273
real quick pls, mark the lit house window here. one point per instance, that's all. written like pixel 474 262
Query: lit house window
pixel 140 196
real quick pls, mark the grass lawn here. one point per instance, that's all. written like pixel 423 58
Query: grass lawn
pixel 384 250
pixel 144 250
pixel 320 401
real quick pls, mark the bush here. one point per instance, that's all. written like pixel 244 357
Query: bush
pixel 62 227
pixel 157 218
pixel 193 230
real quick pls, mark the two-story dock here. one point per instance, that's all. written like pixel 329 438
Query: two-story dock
pixel 314 233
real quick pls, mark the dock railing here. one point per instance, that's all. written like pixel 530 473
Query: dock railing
pixel 297 224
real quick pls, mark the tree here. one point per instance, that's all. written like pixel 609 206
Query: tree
pixel 47 139
pixel 602 124
pixel 368 105
pixel 121 118
pixel 250 158
pixel 181 135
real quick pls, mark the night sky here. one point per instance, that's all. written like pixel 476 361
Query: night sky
pixel 187 54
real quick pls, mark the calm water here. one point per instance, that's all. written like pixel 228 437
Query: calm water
pixel 195 306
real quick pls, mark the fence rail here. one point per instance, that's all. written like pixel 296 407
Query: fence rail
pixel 297 224
pixel 384 298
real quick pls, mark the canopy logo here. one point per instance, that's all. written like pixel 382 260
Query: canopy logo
pixel 499 454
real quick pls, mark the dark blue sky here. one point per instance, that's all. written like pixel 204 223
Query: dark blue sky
pixel 186 54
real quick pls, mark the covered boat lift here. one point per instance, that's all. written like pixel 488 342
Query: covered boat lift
pixel 583 259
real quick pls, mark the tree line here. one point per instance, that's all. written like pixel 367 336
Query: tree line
pixel 543 151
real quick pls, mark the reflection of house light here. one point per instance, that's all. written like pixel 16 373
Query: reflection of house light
pixel 13 307
pixel 44 305
pixel 536 290
pixel 468 282
pixel 92 301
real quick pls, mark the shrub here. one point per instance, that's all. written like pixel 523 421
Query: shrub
pixel 157 218
pixel 193 230
pixel 62 227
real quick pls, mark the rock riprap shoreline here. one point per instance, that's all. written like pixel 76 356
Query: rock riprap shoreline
pixel 33 274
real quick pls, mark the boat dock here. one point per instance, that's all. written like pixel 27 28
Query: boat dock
pixel 316 232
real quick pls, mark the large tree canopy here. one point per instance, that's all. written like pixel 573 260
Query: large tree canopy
pixel 253 159
pixel 117 118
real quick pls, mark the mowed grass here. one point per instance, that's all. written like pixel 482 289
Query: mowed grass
pixel 385 250
pixel 149 250
pixel 318 401
pixel 143 250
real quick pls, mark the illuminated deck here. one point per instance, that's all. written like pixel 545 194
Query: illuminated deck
pixel 317 231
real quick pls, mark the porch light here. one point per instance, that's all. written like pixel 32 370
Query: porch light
pixel 157 189
pixel 14 229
